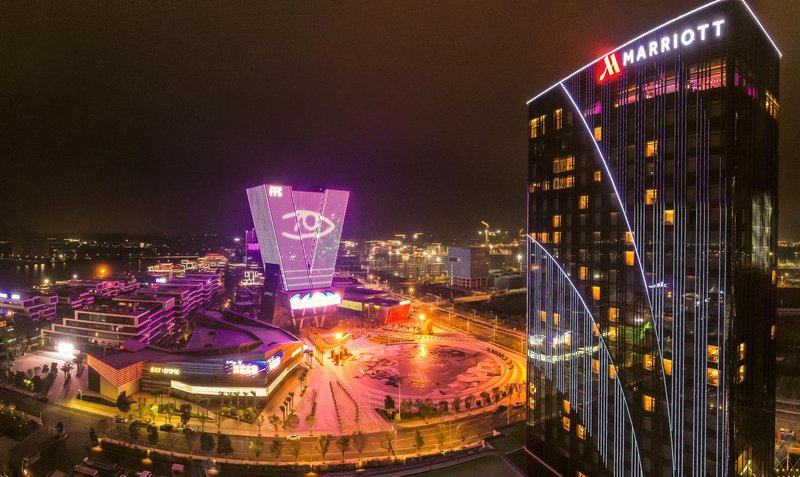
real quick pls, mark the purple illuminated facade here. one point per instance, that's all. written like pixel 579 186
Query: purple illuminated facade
pixel 299 231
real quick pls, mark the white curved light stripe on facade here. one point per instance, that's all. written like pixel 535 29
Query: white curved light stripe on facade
pixel 603 346
pixel 579 113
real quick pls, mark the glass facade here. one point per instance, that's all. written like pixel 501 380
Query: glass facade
pixel 650 343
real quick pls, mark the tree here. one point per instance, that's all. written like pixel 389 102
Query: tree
pixel 292 421
pixel 443 406
pixel 461 431
pixel 291 400
pixel 122 402
pixel 388 442
pixel 93 437
pixel 191 438
pixel 486 398
pixel 294 449
pixel 134 431
pixel 256 445
pixel 206 442
pixel 36 384
pixel 419 441
pixel 259 422
pixel 152 435
pixel 67 367
pixel 388 403
pixel 441 435
pixel 141 407
pixel 496 394
pixel 302 376
pixel 359 441
pixel 343 443
pixel 224 445
pixel 274 421
pixel 323 443
pixel 311 419
pixel 456 403
pixel 468 402
pixel 60 428
pixel 276 448
pixel 186 413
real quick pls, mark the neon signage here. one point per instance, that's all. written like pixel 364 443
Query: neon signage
pixel 15 296
pixel 673 42
pixel 308 224
pixel 3 295
pixel 275 191
pixel 274 361
pixel 301 301
pixel 160 370
pixel 611 67
pixel 244 368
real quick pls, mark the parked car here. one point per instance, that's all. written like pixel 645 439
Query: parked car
pixel 121 419
pixel 293 437
pixel 166 427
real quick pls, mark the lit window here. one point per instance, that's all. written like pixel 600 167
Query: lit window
pixel 565 423
pixel 564 164
pixel 580 474
pixel 596 292
pixel 545 185
pixel 668 367
pixel 566 406
pixel 772 332
pixel 630 258
pixel 771 103
pixel 556 237
pixel 598 176
pixel 583 202
pixel 598 133
pixel 564 182
pixel 742 373
pixel 713 354
pixel 543 315
pixel 557 117
pixel 612 371
pixel 648 362
pixel 583 273
pixel 556 221
pixel 595 366
pixel 669 217
pixel 613 314
pixel 537 126
pixel 648 403
pixel 534 187
pixel 650 197
pixel 712 376
pixel 629 237
pixel 555 319
pixel 612 333
pixel 595 330
pixel 652 148
pixel 742 351
pixel 581 432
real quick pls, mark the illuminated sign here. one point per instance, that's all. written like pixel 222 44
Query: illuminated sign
pixel 244 368
pixel 15 296
pixel 610 67
pixel 274 361
pixel 160 370
pixel 252 246
pixel 299 231
pixel 301 301
pixel 673 42
pixel 296 352
pixel 3 295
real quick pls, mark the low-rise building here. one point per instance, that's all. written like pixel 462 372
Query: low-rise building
pixel 468 267
pixel 33 305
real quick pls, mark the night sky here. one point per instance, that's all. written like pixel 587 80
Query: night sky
pixel 147 117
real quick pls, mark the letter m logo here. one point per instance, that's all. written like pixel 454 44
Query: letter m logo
pixel 609 67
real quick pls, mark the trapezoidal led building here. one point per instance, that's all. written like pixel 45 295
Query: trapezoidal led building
pixel 298 235
pixel 651 215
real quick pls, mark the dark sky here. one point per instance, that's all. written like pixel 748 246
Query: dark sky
pixel 154 116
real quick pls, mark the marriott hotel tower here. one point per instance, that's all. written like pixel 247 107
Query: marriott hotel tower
pixel 652 212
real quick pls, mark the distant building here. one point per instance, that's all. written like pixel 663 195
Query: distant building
pixel 468 267
pixel 35 306
pixel 140 316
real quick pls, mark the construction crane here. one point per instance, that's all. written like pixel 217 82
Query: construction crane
pixel 486 234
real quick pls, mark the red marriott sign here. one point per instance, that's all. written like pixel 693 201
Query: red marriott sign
pixel 608 67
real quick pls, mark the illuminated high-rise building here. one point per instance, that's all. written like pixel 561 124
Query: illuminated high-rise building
pixel 651 215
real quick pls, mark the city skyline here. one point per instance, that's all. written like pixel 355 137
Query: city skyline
pixel 163 138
